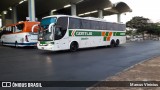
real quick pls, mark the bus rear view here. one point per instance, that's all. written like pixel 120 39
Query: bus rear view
pixel 20 34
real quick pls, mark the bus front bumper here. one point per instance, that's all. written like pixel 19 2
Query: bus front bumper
pixel 49 47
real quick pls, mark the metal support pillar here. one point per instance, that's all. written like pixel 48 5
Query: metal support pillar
pixel 73 10
pixel 100 13
pixel 14 14
pixel 31 8
pixel 119 18
pixel 3 19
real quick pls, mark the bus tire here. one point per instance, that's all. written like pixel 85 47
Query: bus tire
pixel 112 44
pixel 74 46
pixel 117 43
pixel 16 44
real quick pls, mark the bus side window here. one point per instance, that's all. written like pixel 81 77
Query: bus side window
pixel 13 29
pixel 62 22
pixel 85 24
pixel 95 25
pixel 74 23
pixel 61 27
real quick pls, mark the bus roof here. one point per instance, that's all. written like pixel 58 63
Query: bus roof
pixel 86 18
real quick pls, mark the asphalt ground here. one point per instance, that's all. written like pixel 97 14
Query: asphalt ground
pixel 94 64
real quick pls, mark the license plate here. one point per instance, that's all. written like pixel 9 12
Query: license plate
pixel 42 47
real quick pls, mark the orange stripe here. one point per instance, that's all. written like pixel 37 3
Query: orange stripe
pixel 103 33
pixel 109 36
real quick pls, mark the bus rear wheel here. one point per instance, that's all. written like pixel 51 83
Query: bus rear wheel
pixel 112 44
pixel 74 46
pixel 117 43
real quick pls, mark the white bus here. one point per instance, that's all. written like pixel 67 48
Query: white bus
pixel 20 34
pixel 63 32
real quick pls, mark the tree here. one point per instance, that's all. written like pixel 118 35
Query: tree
pixel 157 30
pixel 139 23
pixel 150 29
pixel 129 32
pixel 153 28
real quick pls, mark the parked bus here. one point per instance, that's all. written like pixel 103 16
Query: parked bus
pixel 62 32
pixel 20 34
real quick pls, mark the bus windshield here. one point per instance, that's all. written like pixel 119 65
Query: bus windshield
pixel 44 33
pixel 19 27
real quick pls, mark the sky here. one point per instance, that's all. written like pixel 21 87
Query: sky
pixel 146 8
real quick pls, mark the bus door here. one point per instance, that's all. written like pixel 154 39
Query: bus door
pixel 60 38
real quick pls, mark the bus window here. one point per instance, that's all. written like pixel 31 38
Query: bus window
pixel 85 24
pixel 61 27
pixel 103 26
pixel 74 23
pixel 19 27
pixel 62 22
pixel 109 26
pixel 95 25
pixel 115 26
pixel 13 29
pixel 9 30
pixel 121 27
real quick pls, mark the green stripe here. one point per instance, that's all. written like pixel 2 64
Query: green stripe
pixel 107 33
pixel 119 34
pixel 42 42
pixel 70 32
pixel 85 33
pixel 104 38
pixel 46 42
pixel 94 33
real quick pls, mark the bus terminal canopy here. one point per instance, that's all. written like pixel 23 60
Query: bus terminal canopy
pixel 83 7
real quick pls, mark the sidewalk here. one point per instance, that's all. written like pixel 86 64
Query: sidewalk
pixel 148 70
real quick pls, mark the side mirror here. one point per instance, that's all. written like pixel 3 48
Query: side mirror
pixel 50 27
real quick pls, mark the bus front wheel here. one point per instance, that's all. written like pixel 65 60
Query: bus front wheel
pixel 74 46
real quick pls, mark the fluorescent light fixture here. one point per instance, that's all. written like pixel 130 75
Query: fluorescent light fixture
pixel 87 13
pixel 80 14
pixel 107 8
pixel 10 8
pixel 4 12
pixel 66 6
pixel 80 1
pixel 21 2
pixel 94 11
